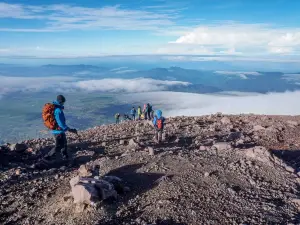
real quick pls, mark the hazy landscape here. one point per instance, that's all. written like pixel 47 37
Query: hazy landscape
pixel 95 93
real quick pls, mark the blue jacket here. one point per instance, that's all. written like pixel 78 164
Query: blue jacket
pixel 133 112
pixel 158 115
pixel 60 119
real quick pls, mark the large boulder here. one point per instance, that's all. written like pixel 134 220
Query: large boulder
pixel 86 190
pixel 85 193
pixel 258 153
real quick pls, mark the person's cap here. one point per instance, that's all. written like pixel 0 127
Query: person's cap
pixel 61 99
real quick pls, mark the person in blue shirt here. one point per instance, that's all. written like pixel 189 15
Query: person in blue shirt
pixel 133 113
pixel 158 123
pixel 60 134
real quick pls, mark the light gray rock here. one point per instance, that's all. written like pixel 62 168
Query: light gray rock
pixel 84 193
pixel 258 153
pixel 221 146
pixel 206 174
pixel 231 191
pixel 289 169
pixel 151 151
pixel 258 128
pixel 84 171
pixel 240 142
pixel 133 144
pixel 202 148
pixel 225 120
pixel 292 123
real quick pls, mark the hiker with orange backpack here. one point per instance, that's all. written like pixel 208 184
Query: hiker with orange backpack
pixel 158 122
pixel 55 120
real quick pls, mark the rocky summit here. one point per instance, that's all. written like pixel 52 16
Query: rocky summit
pixel 215 169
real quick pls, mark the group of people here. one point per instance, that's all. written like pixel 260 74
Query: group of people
pixel 146 113
pixel 54 119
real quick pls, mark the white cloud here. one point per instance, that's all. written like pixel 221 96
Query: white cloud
pixel 229 35
pixel 187 104
pixel 191 58
pixel 125 71
pixel 119 68
pixel 13 84
pixel 237 38
pixel 238 73
pixel 66 84
pixel 126 85
pixel 67 17
pixel 286 40
pixel 291 77
pixel 280 50
pixel 4 50
pixel 177 49
pixel 243 75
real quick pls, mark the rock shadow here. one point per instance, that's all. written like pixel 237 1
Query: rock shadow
pixel 130 220
pixel 138 183
pixel 289 157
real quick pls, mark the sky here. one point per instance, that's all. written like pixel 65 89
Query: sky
pixel 264 29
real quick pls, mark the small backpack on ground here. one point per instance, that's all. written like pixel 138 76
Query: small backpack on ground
pixel 48 116
pixel 159 124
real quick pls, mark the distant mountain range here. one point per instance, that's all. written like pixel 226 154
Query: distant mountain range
pixel 201 81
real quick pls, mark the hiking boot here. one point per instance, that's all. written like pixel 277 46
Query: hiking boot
pixel 65 157
pixel 46 160
pixel 33 166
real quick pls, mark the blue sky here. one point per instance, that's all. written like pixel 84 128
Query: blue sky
pixel 266 29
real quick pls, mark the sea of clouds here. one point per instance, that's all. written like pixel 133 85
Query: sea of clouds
pixel 67 84
pixel 189 104
pixel 142 90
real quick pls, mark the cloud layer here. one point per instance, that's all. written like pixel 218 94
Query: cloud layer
pixel 33 84
pixel 65 84
pixel 124 85
pixel 178 104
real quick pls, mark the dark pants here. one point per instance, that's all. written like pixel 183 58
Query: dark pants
pixel 149 115
pixel 61 146
pixel 158 135
pixel 117 120
pixel 133 116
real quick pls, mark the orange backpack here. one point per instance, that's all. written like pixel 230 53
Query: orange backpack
pixel 159 123
pixel 48 116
